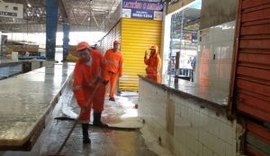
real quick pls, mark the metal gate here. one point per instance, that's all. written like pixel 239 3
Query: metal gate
pixel 251 80
pixel 137 35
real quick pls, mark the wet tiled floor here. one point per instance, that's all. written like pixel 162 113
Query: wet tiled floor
pixel 105 142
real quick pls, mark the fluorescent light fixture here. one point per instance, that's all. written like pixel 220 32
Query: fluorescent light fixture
pixel 88 18
pixel 29 5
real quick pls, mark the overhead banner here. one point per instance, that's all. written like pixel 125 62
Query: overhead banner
pixel 175 5
pixel 143 9
pixel 13 10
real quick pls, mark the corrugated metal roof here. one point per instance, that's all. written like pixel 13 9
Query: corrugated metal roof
pixel 83 15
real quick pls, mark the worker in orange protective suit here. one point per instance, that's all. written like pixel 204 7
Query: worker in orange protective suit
pixel 153 64
pixel 113 62
pixel 87 74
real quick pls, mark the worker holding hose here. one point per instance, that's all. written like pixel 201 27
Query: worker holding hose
pixel 87 77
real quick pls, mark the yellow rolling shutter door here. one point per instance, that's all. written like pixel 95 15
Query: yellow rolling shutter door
pixel 136 36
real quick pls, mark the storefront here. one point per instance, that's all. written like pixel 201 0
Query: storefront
pixel 232 65
pixel 181 41
pixel 138 28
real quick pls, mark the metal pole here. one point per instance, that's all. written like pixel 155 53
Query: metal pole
pixel 66 28
pixel 171 46
pixel 181 34
pixel 51 27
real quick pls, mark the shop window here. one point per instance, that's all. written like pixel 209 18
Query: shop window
pixel 184 42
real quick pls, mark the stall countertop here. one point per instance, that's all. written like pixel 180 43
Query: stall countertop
pixel 206 93
pixel 9 62
pixel 26 99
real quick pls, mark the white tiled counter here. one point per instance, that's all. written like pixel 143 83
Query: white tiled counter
pixel 25 101
pixel 10 67
pixel 187 125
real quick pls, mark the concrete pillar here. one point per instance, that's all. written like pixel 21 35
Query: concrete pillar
pixel 51 28
pixel 66 28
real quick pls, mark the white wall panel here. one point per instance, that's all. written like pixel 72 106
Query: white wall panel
pixel 197 130
pixel 215 56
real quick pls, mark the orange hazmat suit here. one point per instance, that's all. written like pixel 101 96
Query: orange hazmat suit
pixel 85 80
pixel 153 65
pixel 113 62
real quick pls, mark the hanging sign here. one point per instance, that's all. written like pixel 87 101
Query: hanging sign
pixel 142 9
pixel 13 10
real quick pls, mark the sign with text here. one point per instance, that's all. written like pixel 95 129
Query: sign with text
pixel 13 10
pixel 142 9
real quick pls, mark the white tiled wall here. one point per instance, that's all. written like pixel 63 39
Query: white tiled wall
pixel 218 41
pixel 154 101
pixel 197 131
